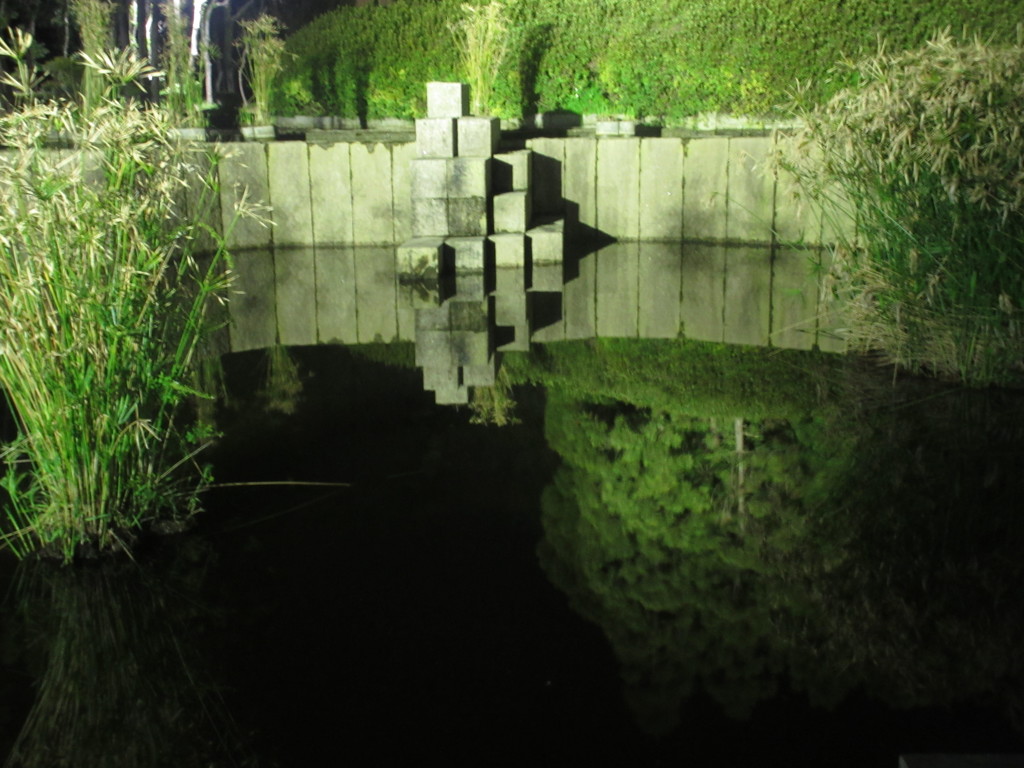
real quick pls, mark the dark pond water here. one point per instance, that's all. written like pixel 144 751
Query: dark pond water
pixel 681 553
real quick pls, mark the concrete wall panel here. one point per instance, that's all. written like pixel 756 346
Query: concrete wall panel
pixel 704 195
pixel 330 182
pixel 751 191
pixel 372 206
pixel 243 174
pixel 661 189
pixel 618 188
pixel 288 171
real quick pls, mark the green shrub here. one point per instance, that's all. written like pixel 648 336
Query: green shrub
pixel 660 59
pixel 926 152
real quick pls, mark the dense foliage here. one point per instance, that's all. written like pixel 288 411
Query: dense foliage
pixel 103 311
pixel 926 153
pixel 866 539
pixel 663 59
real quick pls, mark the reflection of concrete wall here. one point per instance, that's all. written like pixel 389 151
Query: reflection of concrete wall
pixel 701 291
pixel 650 189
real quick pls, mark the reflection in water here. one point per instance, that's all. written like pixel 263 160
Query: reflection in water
pixel 464 320
pixel 740 522
pixel 870 544
pixel 121 680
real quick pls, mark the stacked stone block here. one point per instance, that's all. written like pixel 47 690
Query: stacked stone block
pixel 475 240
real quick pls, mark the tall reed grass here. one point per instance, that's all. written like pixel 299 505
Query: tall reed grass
pixel 103 308
pixel 482 35
pixel 926 152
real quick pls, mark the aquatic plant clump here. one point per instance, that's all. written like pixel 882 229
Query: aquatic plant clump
pixel 926 153
pixel 103 308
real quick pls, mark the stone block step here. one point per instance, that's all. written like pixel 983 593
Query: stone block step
pixel 547 242
pixel 512 211
pixel 512 171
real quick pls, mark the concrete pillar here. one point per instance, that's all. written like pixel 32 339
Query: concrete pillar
pixel 751 190
pixel 477 136
pixel 512 171
pixel 330 182
pixel 447 99
pixel 706 168
pixel 470 253
pixel 372 210
pixel 402 156
pixel 468 216
pixel 512 211
pixel 243 174
pixel 618 188
pixel 429 217
pixel 547 174
pixel 467 177
pixel 509 250
pixel 579 180
pixel 436 137
pixel 547 242
pixel 661 189
pixel 288 166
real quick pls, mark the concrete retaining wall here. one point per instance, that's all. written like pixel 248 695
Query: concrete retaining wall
pixel 649 189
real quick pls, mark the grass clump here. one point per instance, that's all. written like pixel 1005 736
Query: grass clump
pixel 102 313
pixel 926 152
pixel 263 52
pixel 482 36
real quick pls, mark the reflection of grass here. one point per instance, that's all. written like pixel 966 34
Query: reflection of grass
pixel 119 685
pixel 282 385
pixel 927 153
pixel 102 310
pixel 494 405
pixel 483 38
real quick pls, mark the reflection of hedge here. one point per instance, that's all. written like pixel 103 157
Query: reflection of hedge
pixel 710 380
pixel 662 58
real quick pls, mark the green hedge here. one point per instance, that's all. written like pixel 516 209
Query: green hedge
pixel 662 59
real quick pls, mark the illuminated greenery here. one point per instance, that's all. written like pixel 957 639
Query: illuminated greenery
pixel 659 59
pixel 864 541
pixel 103 308
pixel 926 153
